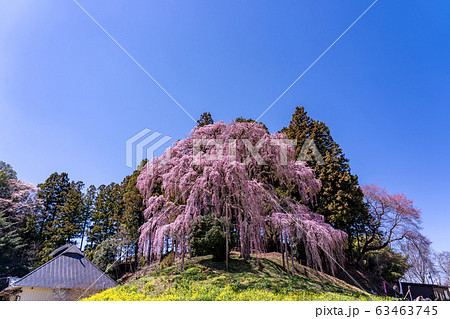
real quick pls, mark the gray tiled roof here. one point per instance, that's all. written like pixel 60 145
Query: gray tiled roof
pixel 69 269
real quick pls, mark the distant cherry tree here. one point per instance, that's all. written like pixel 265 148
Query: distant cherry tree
pixel 443 265
pixel 21 200
pixel 244 175
pixel 420 260
pixel 393 218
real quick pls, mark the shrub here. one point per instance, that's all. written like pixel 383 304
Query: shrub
pixel 209 237
pixel 105 254
pixel 168 261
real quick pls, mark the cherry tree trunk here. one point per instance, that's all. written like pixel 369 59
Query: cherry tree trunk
pixel 149 251
pixel 183 251
pixel 245 242
pixel 287 255
pixel 190 251
pixel 292 260
pixel 136 257
pixel 227 232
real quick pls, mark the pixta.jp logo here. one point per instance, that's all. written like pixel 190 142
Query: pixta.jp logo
pixel 150 142
pixel 146 141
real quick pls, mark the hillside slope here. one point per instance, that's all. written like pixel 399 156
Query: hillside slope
pixel 261 278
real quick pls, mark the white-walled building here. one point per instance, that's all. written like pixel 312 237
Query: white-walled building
pixel 68 276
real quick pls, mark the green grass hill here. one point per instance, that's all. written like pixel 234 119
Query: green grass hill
pixel 260 278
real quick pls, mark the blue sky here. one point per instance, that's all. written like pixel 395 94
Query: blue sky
pixel 70 98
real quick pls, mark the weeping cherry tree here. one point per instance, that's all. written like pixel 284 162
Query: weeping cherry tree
pixel 244 175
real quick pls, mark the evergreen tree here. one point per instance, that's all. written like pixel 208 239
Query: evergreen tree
pixel 63 218
pixel 340 199
pixel 386 262
pixel 10 244
pixel 106 215
pixel 29 232
pixel 53 193
pixel 106 254
pixel 208 237
pixel 18 210
pixel 205 119
pixel 6 173
pixel 68 221
pixel 88 208
pixel 133 217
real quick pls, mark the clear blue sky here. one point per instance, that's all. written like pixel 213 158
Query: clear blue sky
pixel 70 98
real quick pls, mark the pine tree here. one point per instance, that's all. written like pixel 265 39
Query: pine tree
pixel 340 200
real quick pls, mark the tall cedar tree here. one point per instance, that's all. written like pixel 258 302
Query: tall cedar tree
pixel 106 215
pixel 10 244
pixel 133 216
pixel 205 119
pixel 53 193
pixel 88 207
pixel 68 222
pixel 63 201
pixel 341 200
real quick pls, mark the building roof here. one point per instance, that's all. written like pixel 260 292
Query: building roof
pixel 404 283
pixel 59 250
pixel 69 269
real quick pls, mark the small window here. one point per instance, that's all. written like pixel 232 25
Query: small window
pixel 446 294
pixel 17 298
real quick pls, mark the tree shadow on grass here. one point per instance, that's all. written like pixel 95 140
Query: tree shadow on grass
pixel 276 267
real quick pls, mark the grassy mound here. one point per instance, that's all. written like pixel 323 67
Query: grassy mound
pixel 260 278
